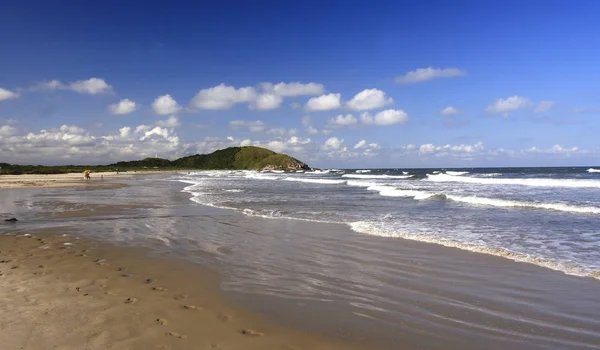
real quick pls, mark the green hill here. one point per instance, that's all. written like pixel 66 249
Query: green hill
pixel 232 158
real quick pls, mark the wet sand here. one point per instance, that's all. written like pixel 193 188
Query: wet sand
pixel 61 292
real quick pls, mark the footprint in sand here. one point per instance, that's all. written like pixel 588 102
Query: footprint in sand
pixel 191 307
pixel 161 321
pixel 131 301
pixel 223 317
pixel 177 335
pixel 180 297
pixel 251 332
pixel 158 289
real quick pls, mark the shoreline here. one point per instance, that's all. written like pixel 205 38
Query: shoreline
pixel 89 294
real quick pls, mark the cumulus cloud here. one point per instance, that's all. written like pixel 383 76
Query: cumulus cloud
pixel 343 120
pixel 544 106
pixel 91 86
pixel 268 101
pixel 369 99
pixel 165 104
pixel 324 102
pixel 171 122
pixel 360 144
pixel 293 89
pixel 7 130
pixel 333 143
pixel 424 74
pixel 7 95
pixel 222 97
pixel 449 111
pixel 386 117
pixel 125 106
pixel 507 105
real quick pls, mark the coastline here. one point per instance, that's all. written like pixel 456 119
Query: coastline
pixel 322 279
pixel 67 292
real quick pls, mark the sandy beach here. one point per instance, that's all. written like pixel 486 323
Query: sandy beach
pixel 60 292
pixel 60 180
pixel 141 266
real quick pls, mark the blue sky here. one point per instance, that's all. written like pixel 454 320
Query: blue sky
pixel 392 83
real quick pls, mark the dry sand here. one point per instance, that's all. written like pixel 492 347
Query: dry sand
pixel 58 180
pixel 66 180
pixel 60 292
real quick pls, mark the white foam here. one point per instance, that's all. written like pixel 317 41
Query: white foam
pixel 457 173
pixel 405 172
pixel 390 191
pixel 316 181
pixel 488 175
pixel 361 176
pixel 363 171
pixel 259 176
pixel 592 170
pixel 495 202
pixel 536 182
pixel 317 172
pixel 384 230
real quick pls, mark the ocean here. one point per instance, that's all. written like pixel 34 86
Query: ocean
pixel 423 258
pixel 544 216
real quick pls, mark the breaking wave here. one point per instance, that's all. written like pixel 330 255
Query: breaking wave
pixel 457 173
pixel 363 171
pixel 592 170
pixel 384 230
pixel 316 181
pixel 360 176
pixel 536 182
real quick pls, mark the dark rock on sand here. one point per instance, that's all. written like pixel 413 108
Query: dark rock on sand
pixel 11 220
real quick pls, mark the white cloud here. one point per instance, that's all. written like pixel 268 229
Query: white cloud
pixel 7 94
pixel 125 131
pixel 509 104
pixel 369 99
pixel 293 89
pixel 324 102
pixel 171 122
pixel 246 142
pixel 91 86
pixel 386 117
pixel 312 131
pixel 7 130
pixel 165 104
pixel 343 120
pixel 222 97
pixel 125 106
pixel 427 148
pixel 333 143
pixel 360 144
pixel 449 111
pixel 255 126
pixel 424 74
pixel 49 85
pixel 544 106
pixel 268 101
pixel 306 120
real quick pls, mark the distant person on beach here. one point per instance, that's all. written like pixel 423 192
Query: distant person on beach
pixel 86 175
